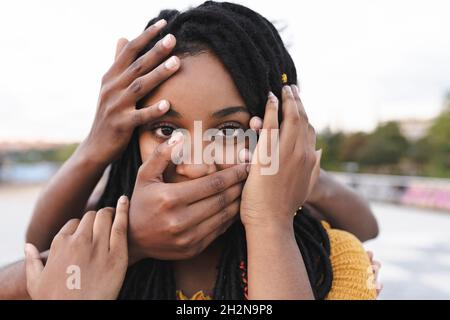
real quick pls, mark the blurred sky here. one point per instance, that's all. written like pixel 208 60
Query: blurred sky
pixel 359 62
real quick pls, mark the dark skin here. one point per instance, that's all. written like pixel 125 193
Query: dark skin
pixel 205 101
pixel 177 238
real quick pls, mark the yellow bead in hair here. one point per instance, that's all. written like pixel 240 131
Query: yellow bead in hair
pixel 284 78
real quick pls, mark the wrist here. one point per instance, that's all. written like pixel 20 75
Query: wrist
pixel 87 155
pixel 271 226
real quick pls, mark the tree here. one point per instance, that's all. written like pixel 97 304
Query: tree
pixel 385 146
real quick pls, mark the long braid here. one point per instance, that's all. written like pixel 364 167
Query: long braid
pixel 253 52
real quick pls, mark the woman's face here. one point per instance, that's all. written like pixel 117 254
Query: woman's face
pixel 202 90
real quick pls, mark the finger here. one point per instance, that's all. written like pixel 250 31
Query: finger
pixel 309 133
pixel 200 188
pixel 118 241
pixel 370 255
pixel 33 264
pixel 143 85
pixel 256 123
pixel 149 60
pixel 152 169
pixel 299 103
pixel 213 235
pixel 290 111
pixel 121 43
pixel 86 226
pixel 376 268
pixel 219 219
pixel 102 227
pixel 379 287
pixel 149 113
pixel 70 227
pixel 133 47
pixel 270 120
pixel 202 210
pixel 264 147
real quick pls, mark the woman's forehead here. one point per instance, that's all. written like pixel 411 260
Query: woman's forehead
pixel 202 83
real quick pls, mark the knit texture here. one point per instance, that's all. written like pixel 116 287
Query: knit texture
pixel 353 277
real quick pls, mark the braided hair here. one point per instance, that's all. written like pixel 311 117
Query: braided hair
pixel 252 51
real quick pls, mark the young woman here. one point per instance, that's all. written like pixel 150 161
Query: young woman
pixel 209 230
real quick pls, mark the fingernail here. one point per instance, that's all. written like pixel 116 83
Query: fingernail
pixel 123 199
pixel 244 155
pixel 287 89
pixel 272 97
pixel 176 137
pixel 160 23
pixel 256 123
pixel 296 88
pixel 163 105
pixel 247 168
pixel 168 41
pixel 171 63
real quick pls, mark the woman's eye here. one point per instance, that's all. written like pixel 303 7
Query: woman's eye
pixel 228 132
pixel 164 132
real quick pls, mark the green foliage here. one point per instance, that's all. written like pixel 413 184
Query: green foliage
pixel 386 150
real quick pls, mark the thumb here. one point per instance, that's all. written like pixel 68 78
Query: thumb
pixel 33 263
pixel 121 43
pixel 153 168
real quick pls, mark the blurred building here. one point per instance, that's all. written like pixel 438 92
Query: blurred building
pixel 414 129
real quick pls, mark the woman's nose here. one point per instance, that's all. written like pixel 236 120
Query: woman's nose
pixel 194 171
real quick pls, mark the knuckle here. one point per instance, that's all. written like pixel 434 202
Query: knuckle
pixel 132 46
pixel 136 66
pixel 184 243
pixel 136 118
pixel 221 201
pixel 272 107
pixel 119 231
pixel 58 239
pixel 136 86
pixel 293 120
pixel 105 78
pixel 105 92
pixel 217 183
pixel 81 240
pixel 174 226
pixel 224 215
pixel 166 200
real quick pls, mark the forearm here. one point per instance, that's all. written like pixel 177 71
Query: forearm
pixel 13 282
pixel 275 265
pixel 13 285
pixel 345 209
pixel 64 198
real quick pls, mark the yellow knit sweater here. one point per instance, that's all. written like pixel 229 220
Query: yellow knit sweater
pixel 352 272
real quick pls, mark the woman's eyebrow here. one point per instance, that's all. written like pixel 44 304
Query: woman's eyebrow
pixel 229 110
pixel 173 113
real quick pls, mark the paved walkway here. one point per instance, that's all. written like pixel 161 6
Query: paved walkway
pixel 413 246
